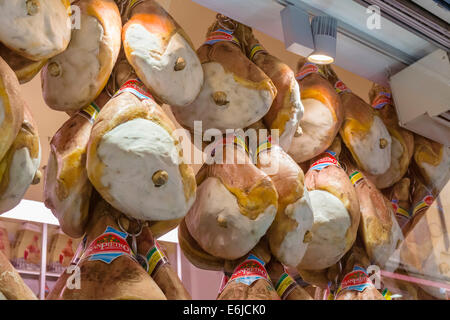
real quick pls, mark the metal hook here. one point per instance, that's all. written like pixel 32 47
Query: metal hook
pixel 221 19
pixel 139 223
pixel 113 77
pixel 125 13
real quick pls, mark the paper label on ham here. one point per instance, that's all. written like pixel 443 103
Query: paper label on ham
pixel 221 35
pixel 341 87
pixel 108 246
pixel 156 259
pixel 423 204
pixel 136 87
pixel 356 280
pixel 249 271
pixel 326 161
pixel 90 112
pixel 257 48
pixel 382 99
pixel 285 286
pixel 356 177
pixel 307 69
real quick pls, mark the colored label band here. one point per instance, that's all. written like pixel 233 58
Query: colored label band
pixel 387 294
pixel 108 246
pixel 90 112
pixel 423 204
pixel 356 280
pixel 249 271
pixel 399 210
pixel 382 99
pixel 326 161
pixel 341 87
pixel 136 87
pixel 264 146
pixel 222 35
pixel 402 212
pixel 257 48
pixel 307 69
pixel 329 294
pixel 285 285
pixel 356 177
pixel 156 259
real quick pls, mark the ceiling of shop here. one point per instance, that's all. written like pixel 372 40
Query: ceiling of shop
pixel 373 54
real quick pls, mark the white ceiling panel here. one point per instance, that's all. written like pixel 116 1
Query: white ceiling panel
pixel 372 54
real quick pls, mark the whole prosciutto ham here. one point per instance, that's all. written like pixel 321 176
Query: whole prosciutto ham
pixel 72 79
pixel 161 53
pixel 363 131
pixel 336 211
pixel 236 202
pixel 402 140
pixel 323 113
pixel 287 108
pixel 236 92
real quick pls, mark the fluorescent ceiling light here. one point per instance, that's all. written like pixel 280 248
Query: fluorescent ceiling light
pixel 33 211
pixel 171 236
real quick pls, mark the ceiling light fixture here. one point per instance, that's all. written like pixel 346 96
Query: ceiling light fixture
pixel 297 31
pixel 324 31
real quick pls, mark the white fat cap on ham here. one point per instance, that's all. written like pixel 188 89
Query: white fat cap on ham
pixel 21 173
pixel 331 222
pixel 316 125
pixel 38 29
pixel 69 79
pixel 245 105
pixel 293 247
pixel 132 153
pixel 292 124
pixel 373 158
pixel 155 66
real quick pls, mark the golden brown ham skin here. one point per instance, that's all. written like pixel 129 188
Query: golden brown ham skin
pixel 24 68
pixel 378 228
pixel 12 107
pixel 246 203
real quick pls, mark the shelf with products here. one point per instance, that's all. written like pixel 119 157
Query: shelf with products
pixel 38 273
